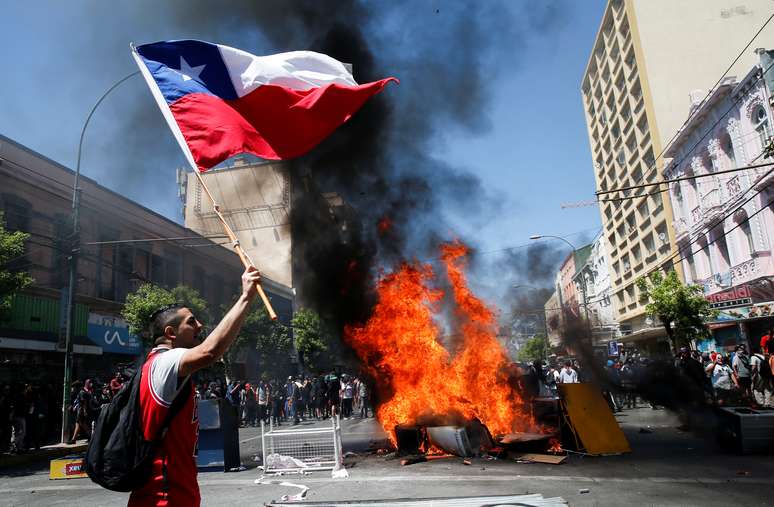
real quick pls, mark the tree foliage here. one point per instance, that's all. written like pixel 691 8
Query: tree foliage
pixel 269 338
pixel 11 282
pixel 681 309
pixel 148 298
pixel 534 348
pixel 313 339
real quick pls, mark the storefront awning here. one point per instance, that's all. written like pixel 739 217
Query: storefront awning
pixel 643 334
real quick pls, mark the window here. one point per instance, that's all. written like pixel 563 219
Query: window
pixel 691 265
pixel 621 157
pixel 107 261
pixel 661 233
pixel 721 248
pixel 761 121
pixel 728 150
pixel 157 269
pixel 636 253
pixel 198 280
pixel 16 213
pixel 172 276
pixel 649 159
pixel 631 224
pixel 656 201
pixel 650 246
pixel 744 225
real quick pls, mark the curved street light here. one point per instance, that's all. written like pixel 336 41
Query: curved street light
pixel 73 263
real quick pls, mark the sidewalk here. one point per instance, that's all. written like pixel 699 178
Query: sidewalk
pixel 44 454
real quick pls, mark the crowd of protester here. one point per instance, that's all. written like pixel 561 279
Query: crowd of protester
pixel 734 377
pixel 30 415
pixel 299 398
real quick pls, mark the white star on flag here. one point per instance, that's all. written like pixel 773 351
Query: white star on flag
pixel 189 72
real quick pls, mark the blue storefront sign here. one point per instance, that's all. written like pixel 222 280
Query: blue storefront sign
pixel 112 334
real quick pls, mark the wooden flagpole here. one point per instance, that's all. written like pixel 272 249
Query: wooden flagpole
pixel 162 103
pixel 246 261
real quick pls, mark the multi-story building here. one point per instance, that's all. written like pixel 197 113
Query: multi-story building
pixel 594 274
pixel 724 222
pixel 647 57
pixel 254 198
pixel 122 245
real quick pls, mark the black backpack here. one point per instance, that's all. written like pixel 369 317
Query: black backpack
pixel 764 368
pixel 118 457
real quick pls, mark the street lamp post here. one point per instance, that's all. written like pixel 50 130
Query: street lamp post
pixel 583 281
pixel 73 266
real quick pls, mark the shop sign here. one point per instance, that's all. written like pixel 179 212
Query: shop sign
pixel 746 312
pixel 112 334
pixel 757 291
pixel 612 349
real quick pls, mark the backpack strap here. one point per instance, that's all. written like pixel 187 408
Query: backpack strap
pixel 174 409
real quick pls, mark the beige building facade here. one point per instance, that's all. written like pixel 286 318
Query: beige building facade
pixel 649 60
pixel 254 198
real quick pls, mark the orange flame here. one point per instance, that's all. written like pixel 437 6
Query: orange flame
pixel 419 379
pixel 555 446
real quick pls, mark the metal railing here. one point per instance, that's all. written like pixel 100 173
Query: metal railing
pixel 301 449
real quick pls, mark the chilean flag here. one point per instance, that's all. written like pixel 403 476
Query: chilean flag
pixel 220 101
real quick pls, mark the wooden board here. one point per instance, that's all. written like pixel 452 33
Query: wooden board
pixel 550 459
pixel 511 438
pixel 592 420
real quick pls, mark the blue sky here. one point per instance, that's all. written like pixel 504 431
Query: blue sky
pixel 531 155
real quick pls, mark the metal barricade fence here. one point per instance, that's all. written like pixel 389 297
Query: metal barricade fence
pixel 310 448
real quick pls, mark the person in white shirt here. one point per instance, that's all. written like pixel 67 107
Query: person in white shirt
pixel 722 376
pixel 568 375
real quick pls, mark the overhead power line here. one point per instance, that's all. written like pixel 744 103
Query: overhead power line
pixel 691 115
pixel 709 228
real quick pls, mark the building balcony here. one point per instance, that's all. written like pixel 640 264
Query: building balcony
pixel 681 230
pixel 711 206
pixel 696 215
pixel 745 271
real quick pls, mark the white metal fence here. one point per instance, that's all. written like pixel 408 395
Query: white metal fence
pixel 301 449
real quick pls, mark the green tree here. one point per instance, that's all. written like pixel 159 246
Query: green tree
pixel 11 282
pixel 313 339
pixel 141 304
pixel 269 338
pixel 534 348
pixel 681 309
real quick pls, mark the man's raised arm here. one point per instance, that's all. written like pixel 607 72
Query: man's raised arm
pixel 221 338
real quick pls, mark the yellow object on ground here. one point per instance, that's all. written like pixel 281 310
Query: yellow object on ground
pixel 69 467
pixel 592 420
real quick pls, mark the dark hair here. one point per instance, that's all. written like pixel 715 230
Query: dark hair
pixel 167 315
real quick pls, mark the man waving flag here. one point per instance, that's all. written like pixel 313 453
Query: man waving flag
pixel 220 101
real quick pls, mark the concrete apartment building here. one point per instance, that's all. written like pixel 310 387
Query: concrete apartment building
pixel 648 56
pixel 724 222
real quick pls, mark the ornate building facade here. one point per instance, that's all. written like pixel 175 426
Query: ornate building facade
pixel 723 217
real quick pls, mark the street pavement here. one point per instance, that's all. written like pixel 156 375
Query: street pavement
pixel 666 467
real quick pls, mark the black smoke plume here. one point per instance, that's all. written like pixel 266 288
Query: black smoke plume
pixel 394 191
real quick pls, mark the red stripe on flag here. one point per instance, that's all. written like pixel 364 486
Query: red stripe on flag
pixel 271 122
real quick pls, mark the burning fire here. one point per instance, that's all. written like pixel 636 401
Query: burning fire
pixel 555 446
pixel 421 381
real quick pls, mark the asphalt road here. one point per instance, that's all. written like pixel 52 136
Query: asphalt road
pixel 666 467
